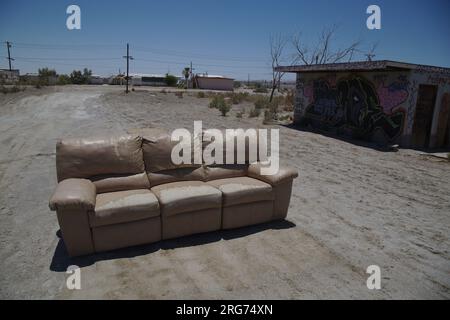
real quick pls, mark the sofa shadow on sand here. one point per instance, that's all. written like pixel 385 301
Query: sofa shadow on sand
pixel 61 259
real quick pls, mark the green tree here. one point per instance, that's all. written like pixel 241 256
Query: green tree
pixel 186 73
pixel 171 80
pixel 78 77
pixel 63 79
pixel 45 74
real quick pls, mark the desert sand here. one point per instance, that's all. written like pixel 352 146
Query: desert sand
pixel 352 206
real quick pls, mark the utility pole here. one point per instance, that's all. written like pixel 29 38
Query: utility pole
pixel 8 45
pixel 248 80
pixel 128 57
pixel 190 75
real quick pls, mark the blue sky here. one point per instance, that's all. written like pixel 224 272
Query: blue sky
pixel 220 37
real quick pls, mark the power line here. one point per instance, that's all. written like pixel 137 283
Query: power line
pixel 137 48
pixel 65 59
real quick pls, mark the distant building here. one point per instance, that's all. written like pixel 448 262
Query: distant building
pixel 213 82
pixel 140 79
pixel 96 79
pixel 9 76
pixel 30 77
pixel 382 101
pixel 116 80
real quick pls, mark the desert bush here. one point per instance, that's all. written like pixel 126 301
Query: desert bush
pixel 240 114
pixel 271 113
pixel 13 89
pixel 179 94
pixel 216 101
pixel 237 98
pixel 236 84
pixel 201 95
pixel 261 90
pixel 261 102
pixel 284 117
pixel 163 91
pixel 254 113
pixel 289 98
pixel 224 108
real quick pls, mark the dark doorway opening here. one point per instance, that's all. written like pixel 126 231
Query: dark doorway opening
pixel 443 128
pixel 423 118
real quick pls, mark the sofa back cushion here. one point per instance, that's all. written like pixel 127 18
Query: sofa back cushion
pixel 229 170
pixel 157 151
pixel 121 182
pixel 175 175
pixel 214 172
pixel 113 163
pixel 249 141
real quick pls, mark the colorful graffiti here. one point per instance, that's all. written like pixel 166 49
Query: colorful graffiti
pixel 353 105
pixel 393 95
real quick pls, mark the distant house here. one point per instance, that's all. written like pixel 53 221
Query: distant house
pixel 213 82
pixel 382 101
pixel 9 76
pixel 96 79
pixel 118 79
pixel 141 79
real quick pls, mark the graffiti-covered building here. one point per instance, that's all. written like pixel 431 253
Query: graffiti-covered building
pixel 382 101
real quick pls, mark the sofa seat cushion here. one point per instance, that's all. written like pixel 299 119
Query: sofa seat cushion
pixel 186 196
pixel 124 206
pixel 242 190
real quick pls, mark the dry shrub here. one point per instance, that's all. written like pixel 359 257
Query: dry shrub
pixel 254 113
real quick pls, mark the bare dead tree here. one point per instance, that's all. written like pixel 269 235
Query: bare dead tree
pixel 323 52
pixel 371 53
pixel 277 45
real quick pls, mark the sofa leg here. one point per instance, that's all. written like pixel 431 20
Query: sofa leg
pixel 282 198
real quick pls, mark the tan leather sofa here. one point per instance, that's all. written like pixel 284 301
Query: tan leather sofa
pixel 122 191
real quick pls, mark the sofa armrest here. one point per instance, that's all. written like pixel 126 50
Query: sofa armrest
pixel 73 194
pixel 72 200
pixel 284 174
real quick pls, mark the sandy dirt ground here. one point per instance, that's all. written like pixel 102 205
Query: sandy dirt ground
pixel 352 206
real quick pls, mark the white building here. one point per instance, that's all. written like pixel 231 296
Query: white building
pixel 142 79
pixel 96 79
pixel 9 76
pixel 213 82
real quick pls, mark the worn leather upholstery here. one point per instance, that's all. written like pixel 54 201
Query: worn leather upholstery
pixel 242 190
pixel 174 175
pixel 73 199
pixel 157 151
pixel 284 174
pixel 111 183
pixel 122 235
pixel 188 207
pixel 74 194
pixel 123 191
pixel 199 221
pixel 186 196
pixel 247 214
pixel 124 206
pixel 85 158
